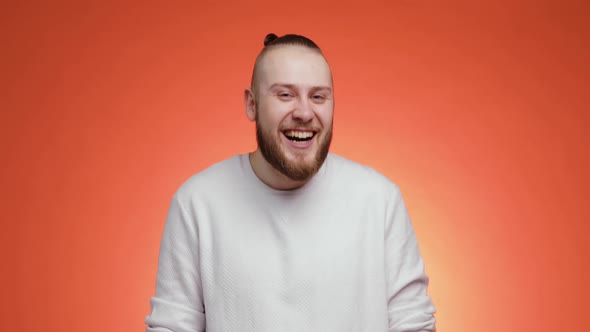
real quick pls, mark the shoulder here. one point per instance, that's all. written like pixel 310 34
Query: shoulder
pixel 358 177
pixel 217 177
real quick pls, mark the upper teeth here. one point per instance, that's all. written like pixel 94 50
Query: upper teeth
pixel 299 134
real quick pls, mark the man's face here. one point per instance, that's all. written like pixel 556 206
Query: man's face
pixel 294 110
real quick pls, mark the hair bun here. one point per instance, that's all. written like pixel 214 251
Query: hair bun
pixel 269 38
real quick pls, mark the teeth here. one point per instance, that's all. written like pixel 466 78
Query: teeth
pixel 299 134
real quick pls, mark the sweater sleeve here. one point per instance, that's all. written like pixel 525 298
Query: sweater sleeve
pixel 409 306
pixel 178 303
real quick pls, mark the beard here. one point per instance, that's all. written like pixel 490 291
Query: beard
pixel 295 170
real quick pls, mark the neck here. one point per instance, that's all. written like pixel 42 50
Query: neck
pixel 270 176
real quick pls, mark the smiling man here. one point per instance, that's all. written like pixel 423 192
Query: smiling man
pixel 290 237
pixel 292 103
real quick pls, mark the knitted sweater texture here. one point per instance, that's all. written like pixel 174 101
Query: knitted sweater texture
pixel 338 254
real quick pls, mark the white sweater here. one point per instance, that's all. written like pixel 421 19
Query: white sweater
pixel 338 254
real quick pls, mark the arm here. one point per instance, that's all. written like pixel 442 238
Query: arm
pixel 178 303
pixel 409 306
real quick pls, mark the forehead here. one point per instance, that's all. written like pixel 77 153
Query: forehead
pixel 296 65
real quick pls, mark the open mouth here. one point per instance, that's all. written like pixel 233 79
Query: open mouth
pixel 299 136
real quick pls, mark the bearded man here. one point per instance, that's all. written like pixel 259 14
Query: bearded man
pixel 290 237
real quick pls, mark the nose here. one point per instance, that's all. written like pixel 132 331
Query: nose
pixel 303 111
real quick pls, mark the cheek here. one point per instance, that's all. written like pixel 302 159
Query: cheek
pixel 273 113
pixel 268 123
pixel 326 116
pixel 277 118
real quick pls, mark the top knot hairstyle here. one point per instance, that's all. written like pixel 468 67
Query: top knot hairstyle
pixel 270 38
pixel 273 40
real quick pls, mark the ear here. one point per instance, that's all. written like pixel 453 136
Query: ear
pixel 250 104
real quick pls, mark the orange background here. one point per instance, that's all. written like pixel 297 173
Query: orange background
pixel 478 110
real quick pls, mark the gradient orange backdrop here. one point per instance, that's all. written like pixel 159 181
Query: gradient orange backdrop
pixel 478 110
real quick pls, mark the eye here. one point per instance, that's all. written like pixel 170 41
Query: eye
pixel 284 95
pixel 318 98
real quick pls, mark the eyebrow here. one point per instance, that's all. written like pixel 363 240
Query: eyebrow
pixel 294 87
